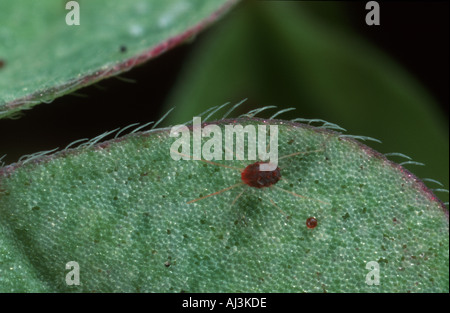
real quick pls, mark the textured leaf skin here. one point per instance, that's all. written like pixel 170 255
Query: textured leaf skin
pixel 43 58
pixel 119 209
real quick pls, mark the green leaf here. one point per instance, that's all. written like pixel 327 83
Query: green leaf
pixel 43 58
pixel 119 209
pixel 283 54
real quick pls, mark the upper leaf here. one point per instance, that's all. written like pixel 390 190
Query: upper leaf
pixel 43 58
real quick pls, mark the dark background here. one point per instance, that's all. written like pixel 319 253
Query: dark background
pixel 421 46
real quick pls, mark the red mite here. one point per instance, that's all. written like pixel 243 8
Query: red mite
pixel 311 222
pixel 253 177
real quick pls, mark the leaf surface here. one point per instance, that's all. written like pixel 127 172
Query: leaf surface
pixel 44 58
pixel 119 209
